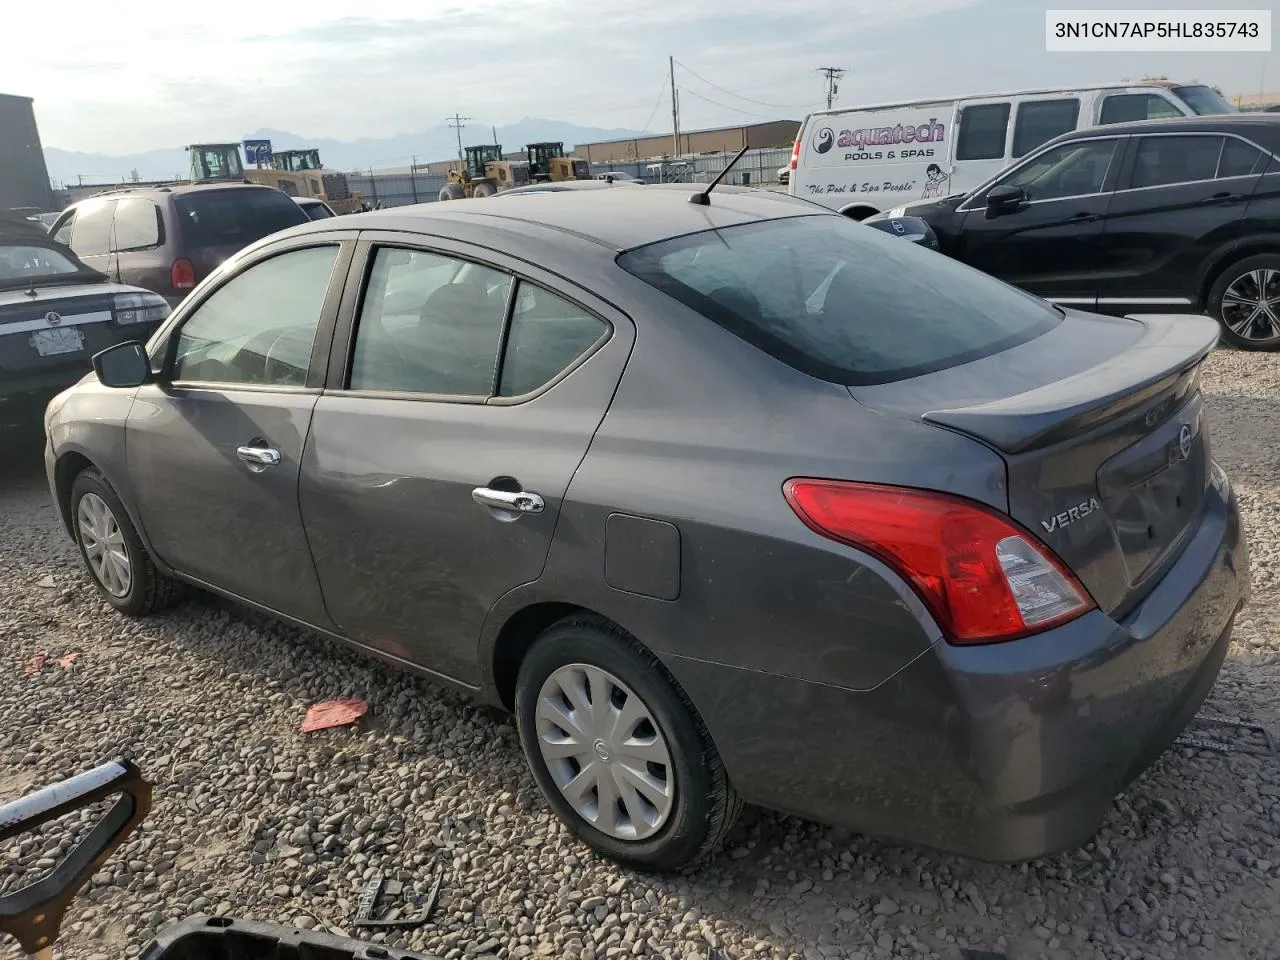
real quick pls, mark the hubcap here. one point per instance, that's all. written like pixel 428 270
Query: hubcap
pixel 104 545
pixel 1251 305
pixel 605 752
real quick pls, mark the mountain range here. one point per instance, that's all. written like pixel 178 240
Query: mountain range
pixel 434 143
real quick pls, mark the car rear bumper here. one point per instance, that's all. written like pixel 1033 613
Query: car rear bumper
pixel 1004 752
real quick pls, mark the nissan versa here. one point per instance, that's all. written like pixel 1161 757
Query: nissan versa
pixel 728 501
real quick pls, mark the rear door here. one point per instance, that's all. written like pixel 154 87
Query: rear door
pixel 90 234
pixel 1181 197
pixel 464 392
pixel 137 245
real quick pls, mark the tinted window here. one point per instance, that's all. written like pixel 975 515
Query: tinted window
pixel 1204 100
pixel 1239 159
pixel 1067 170
pixel 547 334
pixel 91 234
pixel 1124 107
pixel 1161 161
pixel 429 324
pixel 260 325
pixel 840 301
pixel 982 132
pixel 317 211
pixel 137 224
pixel 1039 121
pixel 234 218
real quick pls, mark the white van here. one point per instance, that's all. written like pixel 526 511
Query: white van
pixel 866 160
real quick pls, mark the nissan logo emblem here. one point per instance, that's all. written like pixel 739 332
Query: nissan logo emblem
pixel 53 318
pixel 1184 441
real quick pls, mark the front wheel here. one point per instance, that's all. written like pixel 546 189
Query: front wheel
pixel 617 749
pixel 1245 301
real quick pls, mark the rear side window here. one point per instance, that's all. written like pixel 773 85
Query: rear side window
pixel 840 301
pixel 1039 121
pixel 234 218
pixel 1239 159
pixel 137 224
pixel 982 131
pixel 548 333
pixel 1164 161
pixel 1125 107
pixel 91 234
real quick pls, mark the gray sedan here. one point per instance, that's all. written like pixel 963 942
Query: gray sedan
pixel 736 501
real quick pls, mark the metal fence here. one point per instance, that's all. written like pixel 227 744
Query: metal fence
pixel 757 167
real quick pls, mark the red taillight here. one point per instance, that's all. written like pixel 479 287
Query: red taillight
pixel 984 578
pixel 182 275
pixel 795 150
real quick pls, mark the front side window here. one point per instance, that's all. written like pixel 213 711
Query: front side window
pixel 1039 121
pixel 91 235
pixel 1127 107
pixel 1163 161
pixel 548 333
pixel 840 301
pixel 259 326
pixel 982 131
pixel 137 225
pixel 429 324
pixel 1067 170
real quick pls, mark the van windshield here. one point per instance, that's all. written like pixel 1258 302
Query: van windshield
pixel 839 300
pixel 1204 100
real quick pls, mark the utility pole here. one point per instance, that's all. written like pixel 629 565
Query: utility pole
pixel 495 135
pixel 833 75
pixel 457 123
pixel 675 110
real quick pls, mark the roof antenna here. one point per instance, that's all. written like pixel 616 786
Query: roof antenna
pixel 703 197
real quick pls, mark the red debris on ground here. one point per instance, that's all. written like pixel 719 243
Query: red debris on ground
pixel 334 713
pixel 66 662
pixel 37 664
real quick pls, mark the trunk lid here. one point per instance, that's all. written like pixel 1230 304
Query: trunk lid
pixel 1100 422
pixel 56 330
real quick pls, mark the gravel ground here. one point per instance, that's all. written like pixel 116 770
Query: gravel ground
pixel 253 818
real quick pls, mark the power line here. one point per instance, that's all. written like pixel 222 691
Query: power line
pixel 657 100
pixel 738 96
pixel 725 106
pixel 456 123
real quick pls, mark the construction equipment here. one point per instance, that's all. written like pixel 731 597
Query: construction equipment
pixel 295 173
pixel 548 163
pixel 483 173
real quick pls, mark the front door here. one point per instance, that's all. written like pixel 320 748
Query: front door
pixel 1049 244
pixel 214 449
pixel 436 465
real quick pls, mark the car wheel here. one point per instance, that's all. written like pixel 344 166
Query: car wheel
pixel 618 750
pixel 116 560
pixel 451 191
pixel 484 189
pixel 1245 301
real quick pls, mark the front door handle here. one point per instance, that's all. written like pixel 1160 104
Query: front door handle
pixel 259 456
pixel 520 501
pixel 1223 197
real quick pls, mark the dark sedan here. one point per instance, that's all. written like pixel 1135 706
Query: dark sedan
pixel 735 501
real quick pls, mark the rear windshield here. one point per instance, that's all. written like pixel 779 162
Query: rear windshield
pixel 235 218
pixel 1204 100
pixel 839 300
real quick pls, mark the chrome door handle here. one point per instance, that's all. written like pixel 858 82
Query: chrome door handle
pixel 258 456
pixel 516 502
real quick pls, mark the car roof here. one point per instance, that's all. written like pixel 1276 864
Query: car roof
pixel 176 189
pixel 1242 123
pixel 615 219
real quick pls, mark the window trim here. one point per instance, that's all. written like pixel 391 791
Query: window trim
pixel 163 346
pixel 970 204
pixel 1017 122
pixel 1127 176
pixel 1005 142
pixel 360 270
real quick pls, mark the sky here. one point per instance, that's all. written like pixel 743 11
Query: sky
pixel 164 75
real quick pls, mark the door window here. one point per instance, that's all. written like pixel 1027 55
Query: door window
pixel 548 333
pixel 1067 170
pixel 1239 159
pixel 982 131
pixel 63 233
pixel 1039 121
pixel 429 324
pixel 91 235
pixel 137 225
pixel 1124 107
pixel 259 326
pixel 1162 161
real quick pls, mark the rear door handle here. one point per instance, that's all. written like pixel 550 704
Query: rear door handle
pixel 1223 197
pixel 514 501
pixel 259 456
pixel 1082 218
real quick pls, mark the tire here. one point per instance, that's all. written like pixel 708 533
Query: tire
pixel 484 189
pixel 1228 302
pixel 147 590
pixel 702 804
pixel 451 191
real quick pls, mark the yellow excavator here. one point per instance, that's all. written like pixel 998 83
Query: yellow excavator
pixel 483 173
pixel 295 173
pixel 548 163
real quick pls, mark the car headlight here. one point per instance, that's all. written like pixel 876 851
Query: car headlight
pixel 139 308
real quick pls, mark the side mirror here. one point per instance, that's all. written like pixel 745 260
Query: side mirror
pixel 1005 200
pixel 124 365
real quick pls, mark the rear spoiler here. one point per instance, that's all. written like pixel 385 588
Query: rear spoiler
pixel 1171 347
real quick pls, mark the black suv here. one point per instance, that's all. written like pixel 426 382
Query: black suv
pixel 1156 216
pixel 168 239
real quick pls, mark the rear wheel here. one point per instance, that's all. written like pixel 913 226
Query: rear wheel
pixel 618 750
pixel 484 189
pixel 451 191
pixel 1245 301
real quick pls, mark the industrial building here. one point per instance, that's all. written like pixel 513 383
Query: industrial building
pixel 24 178
pixel 773 134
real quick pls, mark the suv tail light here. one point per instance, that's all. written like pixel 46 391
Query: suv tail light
pixel 984 578
pixel 795 148
pixel 182 275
